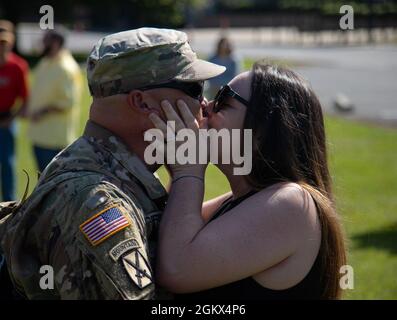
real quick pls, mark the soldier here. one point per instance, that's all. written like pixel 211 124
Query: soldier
pixel 93 216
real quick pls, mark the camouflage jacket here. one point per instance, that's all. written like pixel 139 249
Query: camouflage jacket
pixel 91 223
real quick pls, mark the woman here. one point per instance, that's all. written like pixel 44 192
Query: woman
pixel 223 56
pixel 277 234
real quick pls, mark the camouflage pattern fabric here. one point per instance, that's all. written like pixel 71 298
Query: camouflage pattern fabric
pixel 92 174
pixel 136 58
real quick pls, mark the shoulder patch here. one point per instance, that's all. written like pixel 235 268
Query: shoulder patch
pixel 138 269
pixel 97 200
pixel 104 224
pixel 117 251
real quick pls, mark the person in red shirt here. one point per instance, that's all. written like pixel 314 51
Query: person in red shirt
pixel 13 86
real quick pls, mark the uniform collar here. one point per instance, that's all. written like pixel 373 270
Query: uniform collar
pixel 130 161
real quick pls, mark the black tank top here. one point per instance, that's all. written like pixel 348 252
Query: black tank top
pixel 248 289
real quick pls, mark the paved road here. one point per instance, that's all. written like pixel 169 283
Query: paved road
pixel 366 74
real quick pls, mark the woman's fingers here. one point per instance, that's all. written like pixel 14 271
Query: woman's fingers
pixel 171 115
pixel 203 123
pixel 187 116
pixel 158 123
pixel 169 131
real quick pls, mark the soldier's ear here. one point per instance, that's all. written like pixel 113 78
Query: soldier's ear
pixel 136 100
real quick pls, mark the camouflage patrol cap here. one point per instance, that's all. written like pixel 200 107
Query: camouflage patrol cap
pixel 136 58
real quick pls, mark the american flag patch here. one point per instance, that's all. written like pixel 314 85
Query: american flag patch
pixel 104 224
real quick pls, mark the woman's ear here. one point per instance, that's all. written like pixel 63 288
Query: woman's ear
pixel 137 100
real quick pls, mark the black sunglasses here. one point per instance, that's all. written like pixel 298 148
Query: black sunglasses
pixel 226 92
pixel 192 89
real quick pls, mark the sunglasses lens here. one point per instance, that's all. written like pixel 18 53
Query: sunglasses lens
pixel 196 90
pixel 220 97
pixel 193 89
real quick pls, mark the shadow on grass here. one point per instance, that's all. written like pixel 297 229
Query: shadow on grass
pixel 383 239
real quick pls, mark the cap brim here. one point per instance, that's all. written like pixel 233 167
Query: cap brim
pixel 200 70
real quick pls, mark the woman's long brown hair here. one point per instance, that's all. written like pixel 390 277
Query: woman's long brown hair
pixel 289 144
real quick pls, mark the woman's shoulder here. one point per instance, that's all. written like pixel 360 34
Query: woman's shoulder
pixel 295 221
pixel 291 197
pixel 289 192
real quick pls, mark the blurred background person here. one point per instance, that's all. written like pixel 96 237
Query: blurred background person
pixel 53 108
pixel 224 57
pixel 13 85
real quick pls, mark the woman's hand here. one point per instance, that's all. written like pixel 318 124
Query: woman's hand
pixel 176 131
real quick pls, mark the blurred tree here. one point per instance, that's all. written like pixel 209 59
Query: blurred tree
pixel 361 7
pixel 105 15
pixel 115 15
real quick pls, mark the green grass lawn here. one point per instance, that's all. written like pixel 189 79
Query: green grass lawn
pixel 363 162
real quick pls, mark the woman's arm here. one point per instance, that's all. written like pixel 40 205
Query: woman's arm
pixel 259 233
pixel 209 207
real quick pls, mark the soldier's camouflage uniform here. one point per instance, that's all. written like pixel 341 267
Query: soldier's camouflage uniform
pixel 94 177
pixel 97 171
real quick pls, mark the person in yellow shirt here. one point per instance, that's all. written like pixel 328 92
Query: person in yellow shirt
pixel 53 107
